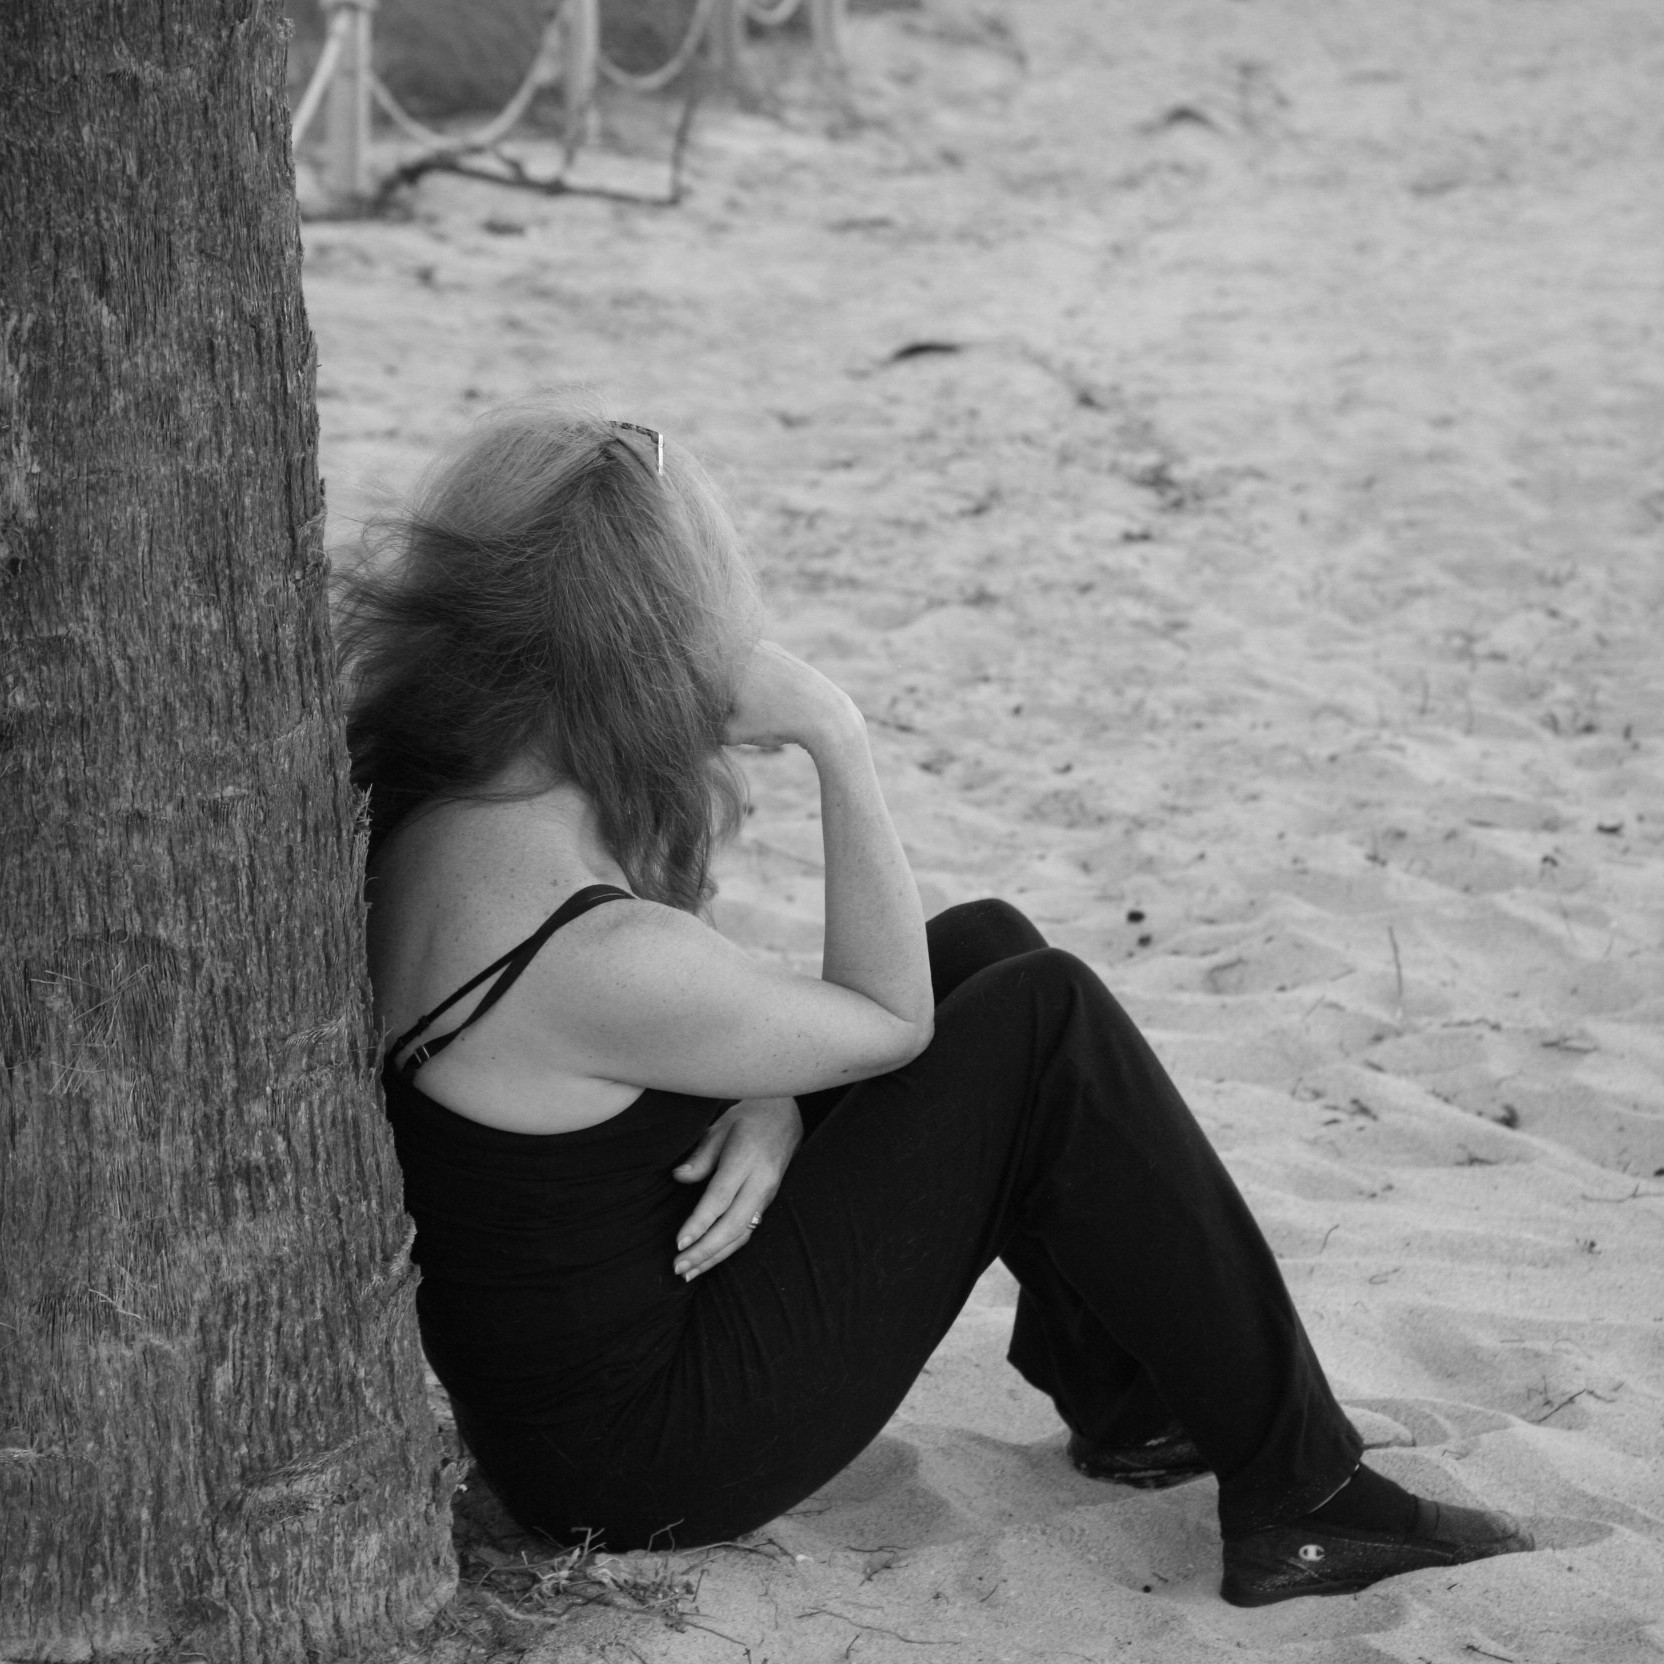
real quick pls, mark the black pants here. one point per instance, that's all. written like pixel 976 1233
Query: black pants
pixel 1038 1128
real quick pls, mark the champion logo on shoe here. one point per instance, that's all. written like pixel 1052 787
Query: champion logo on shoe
pixel 1311 1552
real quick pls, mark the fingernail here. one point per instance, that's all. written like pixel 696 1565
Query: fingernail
pixel 682 1242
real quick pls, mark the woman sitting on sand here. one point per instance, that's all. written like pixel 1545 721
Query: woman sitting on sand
pixel 544 684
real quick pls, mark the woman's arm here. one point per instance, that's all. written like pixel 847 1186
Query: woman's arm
pixel 662 1000
pixel 875 941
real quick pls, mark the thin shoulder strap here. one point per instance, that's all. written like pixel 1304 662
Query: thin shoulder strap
pixel 506 970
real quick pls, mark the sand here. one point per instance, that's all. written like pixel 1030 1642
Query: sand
pixel 1264 594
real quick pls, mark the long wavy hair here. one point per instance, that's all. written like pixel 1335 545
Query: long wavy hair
pixel 551 595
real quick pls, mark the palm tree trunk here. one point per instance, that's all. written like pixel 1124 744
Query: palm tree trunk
pixel 212 1423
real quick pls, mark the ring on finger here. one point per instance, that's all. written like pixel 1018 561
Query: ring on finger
pixel 756 1220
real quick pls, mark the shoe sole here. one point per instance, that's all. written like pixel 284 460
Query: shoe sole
pixel 1126 1470
pixel 1240 1595
pixel 1151 1479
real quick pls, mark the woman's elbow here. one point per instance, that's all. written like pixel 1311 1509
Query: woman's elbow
pixel 896 1043
pixel 918 1036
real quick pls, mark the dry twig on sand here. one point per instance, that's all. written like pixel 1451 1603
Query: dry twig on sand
pixel 515 175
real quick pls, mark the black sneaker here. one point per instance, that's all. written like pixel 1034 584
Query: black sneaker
pixel 1169 1458
pixel 1311 1559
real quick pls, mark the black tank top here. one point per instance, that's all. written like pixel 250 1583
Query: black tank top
pixel 546 1257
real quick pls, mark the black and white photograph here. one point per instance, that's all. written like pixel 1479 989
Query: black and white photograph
pixel 832 831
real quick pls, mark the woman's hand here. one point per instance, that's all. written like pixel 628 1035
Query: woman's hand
pixel 744 1154
pixel 783 701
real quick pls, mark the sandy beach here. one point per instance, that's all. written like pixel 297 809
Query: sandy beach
pixel 1218 445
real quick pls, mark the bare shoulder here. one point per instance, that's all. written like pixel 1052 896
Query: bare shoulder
pixel 631 992
pixel 659 998
pixel 640 947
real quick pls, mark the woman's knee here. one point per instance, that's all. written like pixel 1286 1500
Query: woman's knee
pixel 1049 993
pixel 998 921
pixel 974 935
pixel 1050 977
pixel 1034 992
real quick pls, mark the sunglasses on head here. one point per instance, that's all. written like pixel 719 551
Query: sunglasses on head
pixel 655 436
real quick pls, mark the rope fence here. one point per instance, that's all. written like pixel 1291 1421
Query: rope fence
pixel 655 79
pixel 541 74
pixel 771 17
pixel 568 54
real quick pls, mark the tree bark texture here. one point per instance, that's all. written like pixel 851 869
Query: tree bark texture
pixel 213 1431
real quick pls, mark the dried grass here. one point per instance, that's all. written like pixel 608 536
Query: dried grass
pixel 513 1591
pixel 514 1588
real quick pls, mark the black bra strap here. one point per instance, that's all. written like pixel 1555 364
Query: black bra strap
pixel 506 970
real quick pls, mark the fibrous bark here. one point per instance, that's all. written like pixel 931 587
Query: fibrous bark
pixel 212 1425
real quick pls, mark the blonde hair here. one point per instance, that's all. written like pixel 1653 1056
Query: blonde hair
pixel 553 595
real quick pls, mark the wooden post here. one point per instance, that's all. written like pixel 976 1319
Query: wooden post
pixel 726 43
pixel 826 27
pixel 579 70
pixel 727 39
pixel 347 164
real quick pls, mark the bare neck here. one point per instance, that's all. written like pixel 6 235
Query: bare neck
pixel 521 822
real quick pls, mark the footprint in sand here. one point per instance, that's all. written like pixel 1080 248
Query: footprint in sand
pixel 1421 1422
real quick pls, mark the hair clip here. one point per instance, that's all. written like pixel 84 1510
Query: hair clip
pixel 655 436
